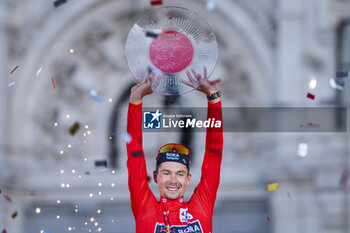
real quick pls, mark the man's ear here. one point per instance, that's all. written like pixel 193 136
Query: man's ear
pixel 189 178
pixel 155 176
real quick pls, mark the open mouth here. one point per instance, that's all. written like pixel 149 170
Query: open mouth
pixel 173 189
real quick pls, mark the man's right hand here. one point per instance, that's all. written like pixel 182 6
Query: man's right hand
pixel 142 89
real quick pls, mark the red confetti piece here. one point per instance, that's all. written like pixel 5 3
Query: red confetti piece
pixel 310 96
pixel 4 231
pixel 154 3
pixel 8 198
pixel 310 125
pixel 32 193
pixel 87 173
pixel 267 219
pixel 53 83
pixel 344 179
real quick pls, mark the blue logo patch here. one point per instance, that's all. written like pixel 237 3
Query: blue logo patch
pixel 191 227
pixel 151 120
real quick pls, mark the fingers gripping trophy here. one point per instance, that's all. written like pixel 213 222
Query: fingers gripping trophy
pixel 171 51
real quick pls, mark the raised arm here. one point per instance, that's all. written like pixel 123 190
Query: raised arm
pixel 140 194
pixel 205 193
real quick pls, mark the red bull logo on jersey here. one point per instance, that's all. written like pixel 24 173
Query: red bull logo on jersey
pixel 191 227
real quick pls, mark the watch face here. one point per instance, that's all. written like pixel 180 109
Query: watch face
pixel 170 40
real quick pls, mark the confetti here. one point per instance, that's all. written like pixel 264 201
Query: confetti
pixel 157 2
pixel 290 196
pixel 32 193
pixel 302 149
pixel 87 173
pixel 211 4
pixel 342 74
pixel 337 84
pixel 267 219
pixel 39 71
pixel 57 3
pixel 14 69
pixel 312 83
pixel 4 231
pixel 310 125
pixel 74 128
pixel 310 96
pixel 344 179
pixel 53 83
pixel 14 215
pixel 100 163
pixel 272 186
pixel 96 96
pixel 11 84
pixel 8 198
pixel 127 137
pixel 0 191
pixel 151 34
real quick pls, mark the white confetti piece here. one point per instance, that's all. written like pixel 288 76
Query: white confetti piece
pixel 312 83
pixel 11 84
pixel 211 4
pixel 302 149
pixel 39 71
pixel 336 84
pixel 127 138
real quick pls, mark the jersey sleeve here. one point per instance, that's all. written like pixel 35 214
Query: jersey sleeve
pixel 140 194
pixel 205 193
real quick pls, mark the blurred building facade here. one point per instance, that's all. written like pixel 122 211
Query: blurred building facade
pixel 269 51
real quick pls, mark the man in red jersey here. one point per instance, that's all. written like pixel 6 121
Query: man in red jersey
pixel 171 214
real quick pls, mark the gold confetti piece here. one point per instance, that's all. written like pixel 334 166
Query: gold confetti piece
pixel 14 215
pixel 272 186
pixel 74 128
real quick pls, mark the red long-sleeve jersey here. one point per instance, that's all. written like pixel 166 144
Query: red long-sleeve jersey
pixel 153 216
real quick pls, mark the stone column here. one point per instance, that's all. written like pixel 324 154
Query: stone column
pixel 291 18
pixel 3 105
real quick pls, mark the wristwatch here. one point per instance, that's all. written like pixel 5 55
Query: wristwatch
pixel 214 96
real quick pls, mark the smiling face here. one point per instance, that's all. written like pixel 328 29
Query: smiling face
pixel 172 179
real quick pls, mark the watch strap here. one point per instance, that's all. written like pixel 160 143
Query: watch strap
pixel 214 95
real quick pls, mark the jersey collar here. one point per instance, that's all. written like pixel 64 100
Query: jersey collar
pixel 170 202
